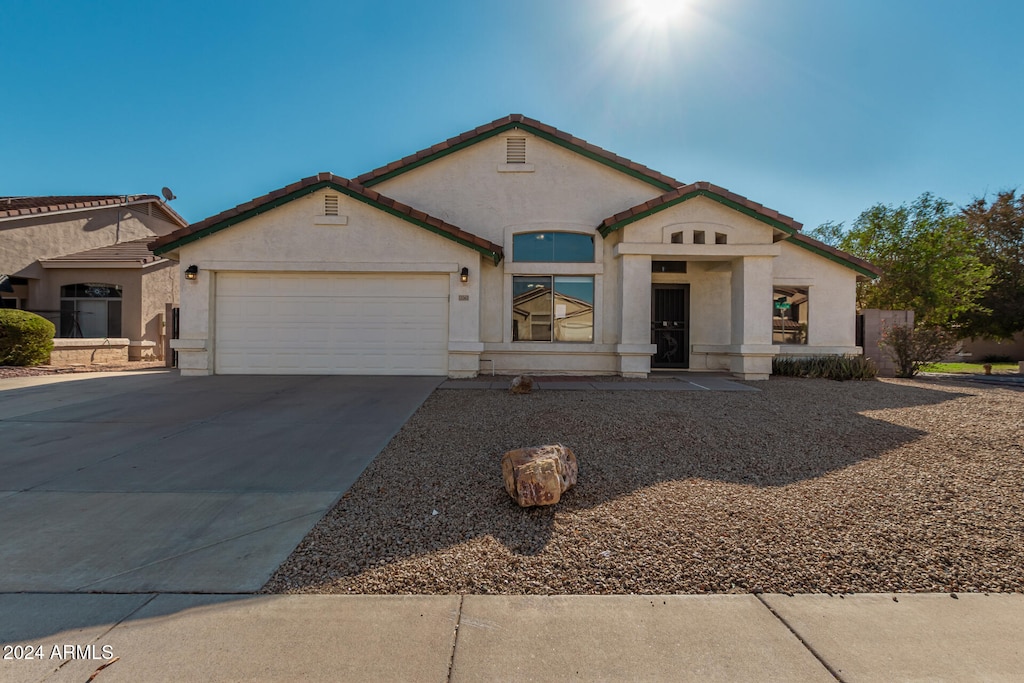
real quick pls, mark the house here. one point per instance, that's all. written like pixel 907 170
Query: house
pixel 513 246
pixel 83 263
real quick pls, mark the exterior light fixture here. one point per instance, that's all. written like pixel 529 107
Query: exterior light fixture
pixel 192 272
pixel 464 275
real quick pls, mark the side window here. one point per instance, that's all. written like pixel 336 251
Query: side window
pixel 789 315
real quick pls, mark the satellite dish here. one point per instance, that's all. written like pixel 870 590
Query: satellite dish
pixel 168 195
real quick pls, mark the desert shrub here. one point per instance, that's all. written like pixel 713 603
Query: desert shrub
pixel 913 348
pixel 839 368
pixel 992 358
pixel 25 338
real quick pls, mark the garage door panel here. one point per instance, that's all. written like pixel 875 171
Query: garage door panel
pixel 331 324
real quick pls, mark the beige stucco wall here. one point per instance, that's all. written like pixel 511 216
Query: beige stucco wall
pixel 29 240
pixel 297 237
pixel 145 292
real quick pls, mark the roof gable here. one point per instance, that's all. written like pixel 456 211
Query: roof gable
pixel 511 122
pixel 307 186
pixel 779 221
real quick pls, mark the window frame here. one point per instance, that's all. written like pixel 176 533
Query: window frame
pixel 552 316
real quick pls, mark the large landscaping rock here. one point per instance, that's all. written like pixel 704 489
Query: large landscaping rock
pixel 539 475
pixel 522 384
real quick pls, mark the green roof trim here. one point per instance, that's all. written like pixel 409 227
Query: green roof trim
pixel 833 257
pixel 496 257
pixel 519 125
pixel 746 210
pixel 608 229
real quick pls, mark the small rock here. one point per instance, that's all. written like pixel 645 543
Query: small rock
pixel 523 384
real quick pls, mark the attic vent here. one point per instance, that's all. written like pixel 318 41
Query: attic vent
pixel 331 205
pixel 515 150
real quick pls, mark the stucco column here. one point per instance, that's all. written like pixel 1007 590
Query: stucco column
pixel 196 321
pixel 464 345
pixel 751 335
pixel 635 348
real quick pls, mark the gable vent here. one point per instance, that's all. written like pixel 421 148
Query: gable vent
pixel 331 205
pixel 515 150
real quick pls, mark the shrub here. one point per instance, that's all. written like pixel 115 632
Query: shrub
pixel 838 368
pixel 912 348
pixel 25 338
pixel 991 358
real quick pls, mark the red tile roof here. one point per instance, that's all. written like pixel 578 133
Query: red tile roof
pixel 509 122
pixel 307 185
pixel 134 251
pixel 19 207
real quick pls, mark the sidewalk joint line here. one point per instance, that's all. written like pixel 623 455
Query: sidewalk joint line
pixel 821 660
pixel 455 640
pixel 115 625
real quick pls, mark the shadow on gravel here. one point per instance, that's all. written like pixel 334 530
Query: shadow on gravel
pixel 438 483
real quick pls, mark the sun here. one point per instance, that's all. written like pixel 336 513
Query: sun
pixel 655 12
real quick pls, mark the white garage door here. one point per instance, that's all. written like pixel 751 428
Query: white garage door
pixel 330 324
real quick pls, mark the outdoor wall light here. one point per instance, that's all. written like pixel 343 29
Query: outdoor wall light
pixel 192 272
pixel 464 275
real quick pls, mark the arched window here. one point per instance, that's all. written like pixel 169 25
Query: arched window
pixel 90 310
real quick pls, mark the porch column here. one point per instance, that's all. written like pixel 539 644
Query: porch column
pixel 635 348
pixel 751 348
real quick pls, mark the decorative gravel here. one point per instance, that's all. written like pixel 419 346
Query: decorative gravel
pixel 805 486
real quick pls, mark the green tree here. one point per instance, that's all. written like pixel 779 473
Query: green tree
pixel 1001 228
pixel 929 255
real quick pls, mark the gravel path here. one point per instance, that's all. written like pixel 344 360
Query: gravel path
pixel 805 486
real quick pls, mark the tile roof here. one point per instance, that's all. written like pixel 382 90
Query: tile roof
pixel 506 123
pixel 311 184
pixel 684 192
pixel 740 203
pixel 19 207
pixel 128 252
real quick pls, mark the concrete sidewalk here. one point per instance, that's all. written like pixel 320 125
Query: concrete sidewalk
pixel 175 637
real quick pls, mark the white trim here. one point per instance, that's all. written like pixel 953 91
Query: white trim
pixel 696 252
pixel 327 267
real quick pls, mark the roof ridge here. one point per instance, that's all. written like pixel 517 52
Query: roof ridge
pixel 496 126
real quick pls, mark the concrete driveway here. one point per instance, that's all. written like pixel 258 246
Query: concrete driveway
pixel 150 482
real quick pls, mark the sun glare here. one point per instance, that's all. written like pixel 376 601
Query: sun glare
pixel 656 12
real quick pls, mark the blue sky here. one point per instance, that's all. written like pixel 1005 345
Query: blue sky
pixel 816 108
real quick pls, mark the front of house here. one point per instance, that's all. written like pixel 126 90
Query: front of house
pixel 511 248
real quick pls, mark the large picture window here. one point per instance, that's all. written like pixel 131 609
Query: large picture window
pixel 90 311
pixel 549 247
pixel 553 308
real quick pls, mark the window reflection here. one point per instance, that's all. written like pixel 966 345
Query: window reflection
pixel 553 308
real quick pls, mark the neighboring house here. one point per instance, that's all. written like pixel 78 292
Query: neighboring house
pixel 516 247
pixel 83 263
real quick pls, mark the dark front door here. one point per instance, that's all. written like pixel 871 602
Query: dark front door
pixel 670 325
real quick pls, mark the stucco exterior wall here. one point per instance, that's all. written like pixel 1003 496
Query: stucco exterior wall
pixel 832 300
pixel 298 237
pixel 467 189
pixel 29 240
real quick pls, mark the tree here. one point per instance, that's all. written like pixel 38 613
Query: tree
pixel 929 255
pixel 1001 228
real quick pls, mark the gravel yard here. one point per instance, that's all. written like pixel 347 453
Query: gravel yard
pixel 805 486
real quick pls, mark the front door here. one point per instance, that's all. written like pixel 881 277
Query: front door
pixel 670 325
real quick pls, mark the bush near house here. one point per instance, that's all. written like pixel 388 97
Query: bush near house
pixel 25 338
pixel 839 368
pixel 913 348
